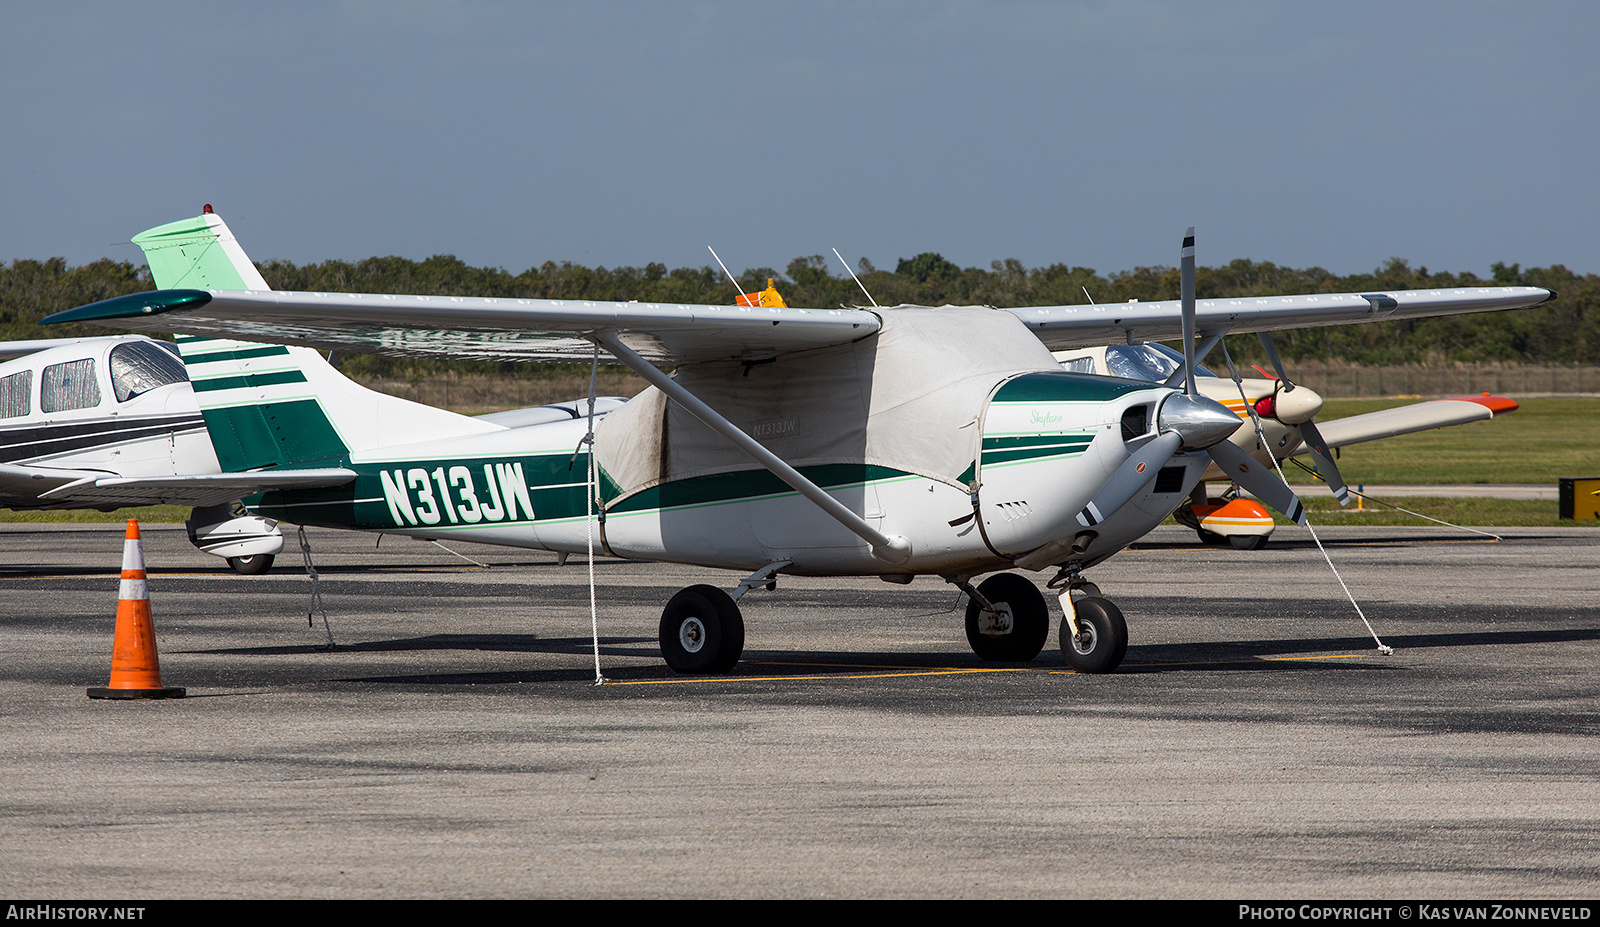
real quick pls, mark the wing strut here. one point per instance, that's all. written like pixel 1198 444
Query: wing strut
pixel 895 549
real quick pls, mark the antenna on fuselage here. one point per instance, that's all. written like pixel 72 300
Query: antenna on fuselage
pixel 855 278
pixel 742 297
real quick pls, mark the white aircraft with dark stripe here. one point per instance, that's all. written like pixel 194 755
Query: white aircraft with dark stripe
pixel 107 422
pixel 900 442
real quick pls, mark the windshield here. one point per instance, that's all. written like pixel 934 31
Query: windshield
pixel 1151 362
pixel 140 366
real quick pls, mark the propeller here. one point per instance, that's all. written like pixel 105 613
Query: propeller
pixel 1258 479
pixel 1191 422
pixel 1320 454
pixel 1129 478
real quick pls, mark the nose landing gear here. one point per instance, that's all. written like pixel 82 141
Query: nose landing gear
pixel 1101 639
pixel 1093 635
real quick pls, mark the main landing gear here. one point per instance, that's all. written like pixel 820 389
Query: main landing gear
pixel 702 631
pixel 253 565
pixel 1015 623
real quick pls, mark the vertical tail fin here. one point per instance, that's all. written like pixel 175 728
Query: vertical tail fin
pixel 200 254
pixel 268 405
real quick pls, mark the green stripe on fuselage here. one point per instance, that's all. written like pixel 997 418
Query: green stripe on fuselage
pixel 439 494
pixel 1061 386
pixel 745 485
pixel 242 381
pixel 483 492
pixel 1030 447
pixel 1008 442
pixel 272 350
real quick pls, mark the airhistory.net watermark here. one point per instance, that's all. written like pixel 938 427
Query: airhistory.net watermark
pixel 50 912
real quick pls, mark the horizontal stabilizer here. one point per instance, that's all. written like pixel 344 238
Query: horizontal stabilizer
pixel 194 490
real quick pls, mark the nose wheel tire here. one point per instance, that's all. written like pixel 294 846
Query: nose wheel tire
pixel 1028 614
pixel 702 631
pixel 1102 636
pixel 251 566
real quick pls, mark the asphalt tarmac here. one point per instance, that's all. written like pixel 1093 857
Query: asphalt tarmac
pixel 1254 745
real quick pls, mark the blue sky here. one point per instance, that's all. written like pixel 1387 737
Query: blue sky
pixel 608 133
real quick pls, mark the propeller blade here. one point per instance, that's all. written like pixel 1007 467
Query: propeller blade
pixel 1321 456
pixel 1128 479
pixel 1186 291
pixel 1308 431
pixel 1272 354
pixel 1176 378
pixel 1258 479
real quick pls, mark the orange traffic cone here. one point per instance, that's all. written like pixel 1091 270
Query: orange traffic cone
pixel 135 668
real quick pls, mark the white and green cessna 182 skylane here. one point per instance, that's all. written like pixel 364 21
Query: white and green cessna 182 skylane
pixel 824 442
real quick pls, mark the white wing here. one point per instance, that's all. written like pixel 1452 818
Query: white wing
pixel 479 328
pixel 537 329
pixel 1062 327
pixel 1405 420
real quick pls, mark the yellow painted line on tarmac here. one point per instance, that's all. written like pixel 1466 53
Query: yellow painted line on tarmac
pixel 950 671
pixel 1331 656
pixel 943 671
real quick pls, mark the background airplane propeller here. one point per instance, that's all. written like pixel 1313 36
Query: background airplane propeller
pixel 1190 421
pixel 1320 453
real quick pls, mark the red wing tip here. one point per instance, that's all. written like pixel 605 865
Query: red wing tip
pixel 1499 405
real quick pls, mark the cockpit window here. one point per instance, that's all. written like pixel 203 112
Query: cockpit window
pixel 140 366
pixel 1150 362
pixel 16 394
pixel 69 386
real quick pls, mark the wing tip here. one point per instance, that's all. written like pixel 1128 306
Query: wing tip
pixel 1499 405
pixel 133 305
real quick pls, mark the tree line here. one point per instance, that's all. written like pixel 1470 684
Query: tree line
pixel 1565 331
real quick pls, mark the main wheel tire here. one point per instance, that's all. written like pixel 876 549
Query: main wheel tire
pixel 1030 619
pixel 1210 537
pixel 702 631
pixel 251 566
pixel 1103 636
pixel 1248 541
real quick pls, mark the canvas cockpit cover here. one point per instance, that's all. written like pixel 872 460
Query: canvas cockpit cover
pixel 921 382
